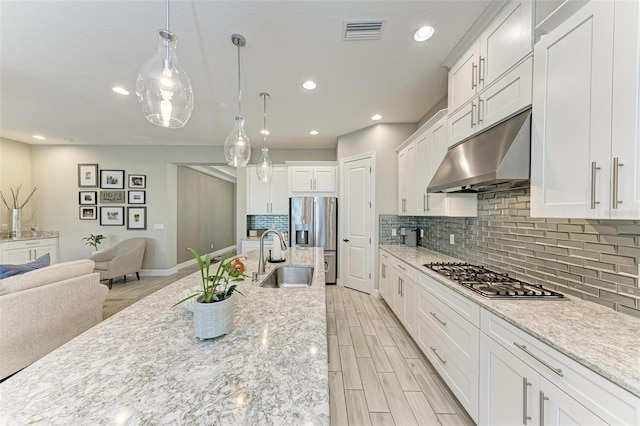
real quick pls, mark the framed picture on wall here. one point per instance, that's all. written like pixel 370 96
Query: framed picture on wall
pixel 112 179
pixel 136 218
pixel 137 181
pixel 88 212
pixel 112 216
pixel 112 197
pixel 88 198
pixel 137 197
pixel 88 175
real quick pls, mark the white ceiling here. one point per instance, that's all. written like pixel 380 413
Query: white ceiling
pixel 59 60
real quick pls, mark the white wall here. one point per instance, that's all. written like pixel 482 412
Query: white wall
pixel 15 169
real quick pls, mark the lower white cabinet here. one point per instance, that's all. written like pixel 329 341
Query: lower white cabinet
pixel 524 381
pixel 248 245
pixel 23 251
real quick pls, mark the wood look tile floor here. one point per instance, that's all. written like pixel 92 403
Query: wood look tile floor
pixel 377 374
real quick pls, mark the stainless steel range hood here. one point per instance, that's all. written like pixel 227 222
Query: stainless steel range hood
pixel 496 156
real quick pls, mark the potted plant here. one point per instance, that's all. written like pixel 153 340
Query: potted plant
pixel 213 306
pixel 94 241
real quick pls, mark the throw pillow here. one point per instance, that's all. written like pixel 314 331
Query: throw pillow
pixel 7 271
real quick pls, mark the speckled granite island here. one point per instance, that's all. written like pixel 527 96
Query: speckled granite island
pixel 144 365
pixel 605 341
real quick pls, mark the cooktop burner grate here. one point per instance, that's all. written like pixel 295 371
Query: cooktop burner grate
pixel 491 284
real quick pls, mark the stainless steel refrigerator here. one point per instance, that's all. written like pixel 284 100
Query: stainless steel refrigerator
pixel 313 222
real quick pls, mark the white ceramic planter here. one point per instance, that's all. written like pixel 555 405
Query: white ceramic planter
pixel 213 319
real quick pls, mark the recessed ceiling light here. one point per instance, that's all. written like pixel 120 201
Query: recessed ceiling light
pixel 313 132
pixel 120 90
pixel 376 117
pixel 39 137
pixel 424 33
pixel 309 85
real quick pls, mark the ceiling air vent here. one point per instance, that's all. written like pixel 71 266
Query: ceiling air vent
pixel 362 30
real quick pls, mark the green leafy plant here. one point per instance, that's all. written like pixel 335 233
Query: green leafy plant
pixel 219 286
pixel 94 240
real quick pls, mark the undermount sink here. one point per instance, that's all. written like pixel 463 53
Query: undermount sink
pixel 289 277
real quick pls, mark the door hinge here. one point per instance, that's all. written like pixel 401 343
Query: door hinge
pixel 369 204
pixel 369 169
pixel 369 240
pixel 369 275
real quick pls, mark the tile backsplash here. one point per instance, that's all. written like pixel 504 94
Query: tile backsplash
pixel 596 260
pixel 264 222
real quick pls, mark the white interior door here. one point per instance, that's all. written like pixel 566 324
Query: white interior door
pixel 356 235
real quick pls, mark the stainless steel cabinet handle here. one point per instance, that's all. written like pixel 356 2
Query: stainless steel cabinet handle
pixel 424 202
pixel 473 76
pixel 398 286
pixel 436 354
pixel 594 168
pixel 525 415
pixel 480 104
pixel 428 206
pixel 542 400
pixel 401 267
pixel 473 112
pixel 384 271
pixel 444 324
pixel 524 349
pixel 481 70
pixel 614 190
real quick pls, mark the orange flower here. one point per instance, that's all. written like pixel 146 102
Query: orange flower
pixel 238 265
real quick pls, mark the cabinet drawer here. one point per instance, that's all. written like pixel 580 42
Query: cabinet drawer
pixel 28 244
pixel 607 400
pixel 464 307
pixel 461 338
pixel 405 270
pixel 461 380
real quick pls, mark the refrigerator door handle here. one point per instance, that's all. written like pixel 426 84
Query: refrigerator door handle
pixel 326 266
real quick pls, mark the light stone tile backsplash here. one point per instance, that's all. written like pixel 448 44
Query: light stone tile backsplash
pixel 596 260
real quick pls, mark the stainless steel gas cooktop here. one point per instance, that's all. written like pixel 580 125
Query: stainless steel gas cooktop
pixel 491 284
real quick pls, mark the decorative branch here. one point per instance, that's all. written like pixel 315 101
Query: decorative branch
pixel 15 194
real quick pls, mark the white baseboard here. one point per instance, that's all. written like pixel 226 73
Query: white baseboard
pixel 175 269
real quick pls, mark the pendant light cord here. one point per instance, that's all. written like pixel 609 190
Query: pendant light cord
pixel 264 135
pixel 166 58
pixel 239 86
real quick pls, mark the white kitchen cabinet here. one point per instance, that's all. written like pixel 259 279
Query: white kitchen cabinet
pixel 249 245
pixel 23 251
pixel 507 96
pixel 383 276
pixel 502 44
pixel 522 377
pixel 270 197
pixel 407 196
pixel 313 180
pixel 585 147
pixel 447 331
pixel 432 149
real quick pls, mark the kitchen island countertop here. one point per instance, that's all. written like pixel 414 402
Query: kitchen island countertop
pixel 605 341
pixel 144 365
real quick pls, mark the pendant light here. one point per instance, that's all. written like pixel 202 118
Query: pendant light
pixel 237 148
pixel 163 88
pixel 264 169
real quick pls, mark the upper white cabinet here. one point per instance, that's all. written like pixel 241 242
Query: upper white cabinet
pixel 268 198
pixel 313 180
pixel 418 160
pixel 492 80
pixel 585 152
pixel 407 203
pixel 503 43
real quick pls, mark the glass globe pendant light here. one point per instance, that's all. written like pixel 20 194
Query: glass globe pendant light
pixel 163 87
pixel 264 169
pixel 237 148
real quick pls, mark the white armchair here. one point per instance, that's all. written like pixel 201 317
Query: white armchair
pixel 120 260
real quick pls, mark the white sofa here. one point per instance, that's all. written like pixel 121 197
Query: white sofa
pixel 43 309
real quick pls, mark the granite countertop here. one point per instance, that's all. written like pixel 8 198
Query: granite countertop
pixel 597 337
pixel 28 235
pixel 145 366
